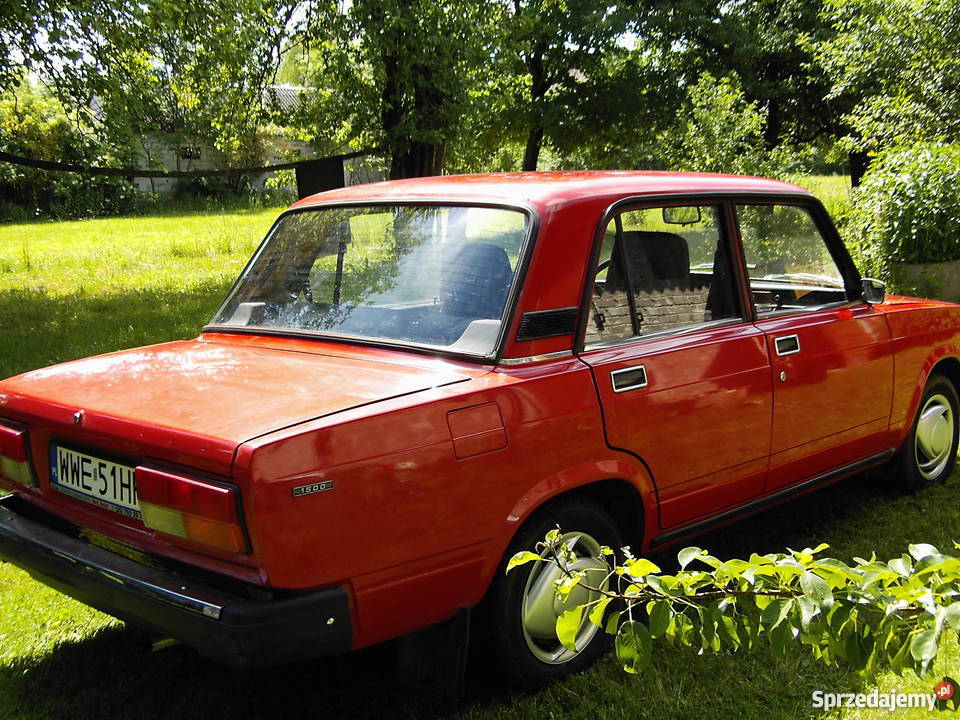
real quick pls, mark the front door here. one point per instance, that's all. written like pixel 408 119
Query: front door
pixel 830 353
pixel 684 380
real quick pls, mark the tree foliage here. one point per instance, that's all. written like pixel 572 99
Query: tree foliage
pixel 33 124
pixel 394 74
pixel 122 69
pixel 900 59
pixel 759 43
pixel 870 615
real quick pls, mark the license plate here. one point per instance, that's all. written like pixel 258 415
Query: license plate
pixel 104 483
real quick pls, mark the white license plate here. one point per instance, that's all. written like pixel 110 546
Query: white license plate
pixel 101 482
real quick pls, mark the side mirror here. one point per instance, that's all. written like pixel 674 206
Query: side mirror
pixel 874 291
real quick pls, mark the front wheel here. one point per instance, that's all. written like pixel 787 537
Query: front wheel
pixel 521 609
pixel 929 452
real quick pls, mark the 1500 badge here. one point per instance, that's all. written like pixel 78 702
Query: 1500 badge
pixel 313 488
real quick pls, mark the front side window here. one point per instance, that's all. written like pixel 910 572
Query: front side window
pixel 429 275
pixel 788 262
pixel 661 269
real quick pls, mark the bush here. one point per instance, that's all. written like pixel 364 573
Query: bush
pixel 907 210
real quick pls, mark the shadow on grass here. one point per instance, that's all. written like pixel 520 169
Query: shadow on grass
pixel 113 674
pixel 38 329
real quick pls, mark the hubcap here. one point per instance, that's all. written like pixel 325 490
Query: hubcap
pixel 541 606
pixel 934 437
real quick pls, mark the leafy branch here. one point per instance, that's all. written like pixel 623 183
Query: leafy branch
pixel 871 615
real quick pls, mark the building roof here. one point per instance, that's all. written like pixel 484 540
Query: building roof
pixel 284 97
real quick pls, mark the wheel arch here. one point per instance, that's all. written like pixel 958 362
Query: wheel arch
pixel 623 489
pixel 944 361
pixel 949 367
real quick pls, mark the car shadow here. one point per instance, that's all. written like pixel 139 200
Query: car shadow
pixel 114 674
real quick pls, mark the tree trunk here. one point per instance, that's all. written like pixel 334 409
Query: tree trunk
pixel 774 126
pixel 859 162
pixel 539 84
pixel 532 153
pixel 418 160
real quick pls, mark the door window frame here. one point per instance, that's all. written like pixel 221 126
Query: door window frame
pixel 730 234
pixel 829 236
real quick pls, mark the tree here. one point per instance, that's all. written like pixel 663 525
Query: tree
pixel 394 75
pixel 552 52
pixel 900 60
pixel 122 69
pixel 765 45
pixel 870 615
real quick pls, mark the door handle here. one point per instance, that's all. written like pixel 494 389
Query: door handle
pixel 787 345
pixel 629 378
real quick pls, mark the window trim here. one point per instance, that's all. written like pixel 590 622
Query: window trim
pixel 828 234
pixel 720 201
pixel 510 306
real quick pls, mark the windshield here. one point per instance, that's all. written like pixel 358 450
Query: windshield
pixel 429 275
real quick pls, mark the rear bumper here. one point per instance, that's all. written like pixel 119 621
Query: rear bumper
pixel 222 626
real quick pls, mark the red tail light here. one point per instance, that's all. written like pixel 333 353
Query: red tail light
pixel 190 508
pixel 14 457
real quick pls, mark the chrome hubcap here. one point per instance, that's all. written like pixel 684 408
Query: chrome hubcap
pixel 934 436
pixel 541 606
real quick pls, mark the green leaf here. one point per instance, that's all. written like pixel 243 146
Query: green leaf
pixel 922 550
pixel 923 647
pixel 687 555
pixel 660 615
pixel 808 610
pixel 817 589
pixel 775 613
pixel 854 651
pixel 901 657
pixel 634 646
pixel 901 565
pixel 780 638
pixel 953 616
pixel 522 558
pixel 640 567
pixel 838 619
pixel 743 632
pixel 727 632
pixel 709 616
pixel 613 622
pixel 597 611
pixel 568 624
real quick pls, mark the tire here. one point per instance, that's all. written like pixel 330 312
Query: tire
pixel 929 452
pixel 518 615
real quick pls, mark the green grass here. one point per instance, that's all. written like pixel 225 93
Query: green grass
pixel 78 288
pixel 70 289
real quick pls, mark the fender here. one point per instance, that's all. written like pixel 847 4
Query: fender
pixel 938 355
pixel 624 468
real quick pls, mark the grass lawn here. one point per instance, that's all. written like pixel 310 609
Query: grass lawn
pixel 73 289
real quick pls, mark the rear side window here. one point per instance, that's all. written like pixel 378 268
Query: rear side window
pixel 661 269
pixel 788 261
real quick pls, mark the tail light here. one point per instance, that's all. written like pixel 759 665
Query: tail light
pixel 190 508
pixel 15 457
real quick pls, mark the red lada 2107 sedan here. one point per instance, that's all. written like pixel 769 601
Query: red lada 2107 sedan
pixel 413 380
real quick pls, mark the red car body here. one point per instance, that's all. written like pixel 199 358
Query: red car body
pixel 389 480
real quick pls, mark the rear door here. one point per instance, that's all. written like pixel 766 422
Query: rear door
pixel 683 377
pixel 830 352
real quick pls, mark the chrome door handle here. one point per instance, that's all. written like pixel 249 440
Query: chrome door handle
pixel 787 345
pixel 630 378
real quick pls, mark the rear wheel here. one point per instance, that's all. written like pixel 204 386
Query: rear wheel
pixel 521 609
pixel 928 454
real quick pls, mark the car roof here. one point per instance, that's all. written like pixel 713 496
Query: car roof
pixel 553 188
